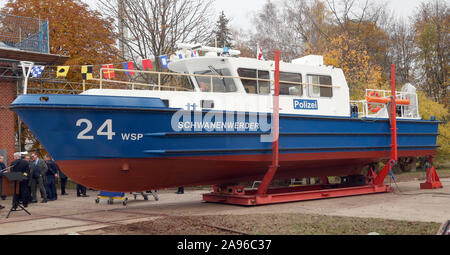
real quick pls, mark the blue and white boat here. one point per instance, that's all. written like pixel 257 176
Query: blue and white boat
pixel 215 127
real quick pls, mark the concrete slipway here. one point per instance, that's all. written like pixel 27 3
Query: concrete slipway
pixel 71 214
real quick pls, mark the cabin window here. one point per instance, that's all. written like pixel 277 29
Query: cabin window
pixel 287 86
pixel 253 86
pixel 320 86
pixel 220 85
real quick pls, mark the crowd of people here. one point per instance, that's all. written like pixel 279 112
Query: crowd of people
pixel 39 173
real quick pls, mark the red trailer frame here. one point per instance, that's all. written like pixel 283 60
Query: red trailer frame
pixel 237 195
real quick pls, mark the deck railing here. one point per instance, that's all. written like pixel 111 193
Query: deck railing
pixel 160 82
pixel 403 111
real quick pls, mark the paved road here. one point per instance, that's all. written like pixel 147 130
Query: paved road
pixel 71 214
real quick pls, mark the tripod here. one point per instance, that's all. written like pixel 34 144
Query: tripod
pixel 16 177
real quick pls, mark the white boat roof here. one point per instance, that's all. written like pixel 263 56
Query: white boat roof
pixel 191 65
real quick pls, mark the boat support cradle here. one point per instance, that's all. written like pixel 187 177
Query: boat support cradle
pixel 238 195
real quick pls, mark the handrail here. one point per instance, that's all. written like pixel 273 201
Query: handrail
pixel 140 84
pixel 411 113
pixel 159 74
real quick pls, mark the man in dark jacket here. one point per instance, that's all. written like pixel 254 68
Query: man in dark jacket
pixel 50 184
pixel 63 179
pixel 38 174
pixel 22 166
pixel 2 167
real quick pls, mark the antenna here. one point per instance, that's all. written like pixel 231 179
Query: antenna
pixel 199 47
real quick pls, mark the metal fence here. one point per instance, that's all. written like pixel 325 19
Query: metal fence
pixel 23 33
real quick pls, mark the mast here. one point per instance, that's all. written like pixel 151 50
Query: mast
pixel 121 18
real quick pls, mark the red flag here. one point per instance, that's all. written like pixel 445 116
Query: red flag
pixel 147 63
pixel 109 74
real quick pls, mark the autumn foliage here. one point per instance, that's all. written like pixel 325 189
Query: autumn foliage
pixel 75 30
pixel 364 38
pixel 351 56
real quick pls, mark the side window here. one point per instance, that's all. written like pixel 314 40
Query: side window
pixel 320 86
pixel 290 84
pixel 253 86
pixel 264 86
pixel 228 82
pixel 250 85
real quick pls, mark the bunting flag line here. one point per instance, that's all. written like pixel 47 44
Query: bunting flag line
pixel 87 72
pixel 109 74
pixel 62 71
pixel 129 66
pixel 164 61
pixel 36 71
pixel 195 54
pixel 180 55
pixel 147 64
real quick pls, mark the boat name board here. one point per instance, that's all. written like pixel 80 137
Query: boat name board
pixel 211 126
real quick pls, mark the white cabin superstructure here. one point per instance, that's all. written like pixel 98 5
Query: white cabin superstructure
pixel 226 83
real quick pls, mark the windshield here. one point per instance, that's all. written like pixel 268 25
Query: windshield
pixel 220 85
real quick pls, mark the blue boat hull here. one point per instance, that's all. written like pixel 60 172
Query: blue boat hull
pixel 130 144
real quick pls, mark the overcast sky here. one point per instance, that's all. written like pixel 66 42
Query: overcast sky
pixel 241 11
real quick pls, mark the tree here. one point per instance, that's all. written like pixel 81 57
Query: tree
pixel 222 33
pixel 272 32
pixel 74 29
pixel 351 56
pixel 242 39
pixel 402 51
pixel 429 108
pixel 155 27
pixel 432 23
pixel 311 23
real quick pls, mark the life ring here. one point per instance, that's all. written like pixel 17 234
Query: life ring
pixel 373 107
